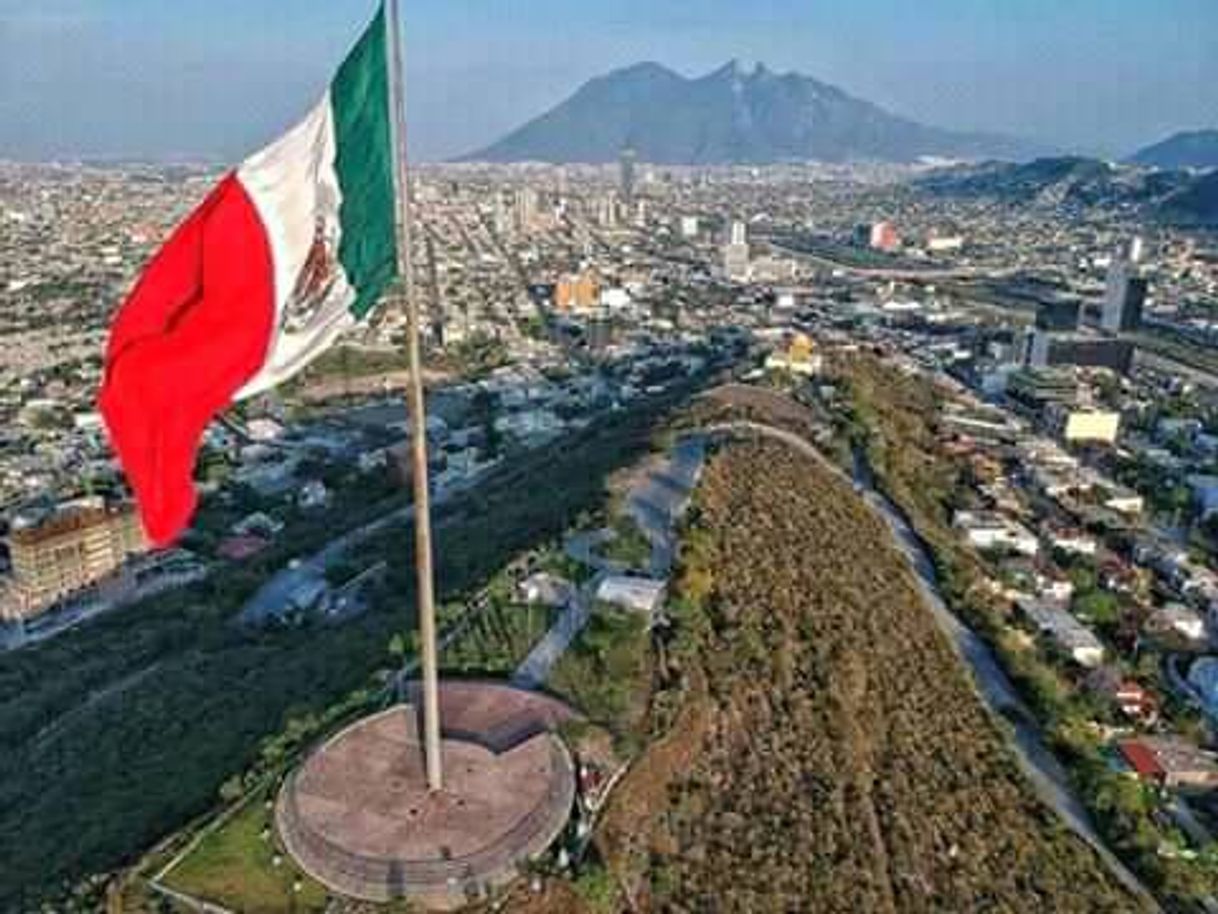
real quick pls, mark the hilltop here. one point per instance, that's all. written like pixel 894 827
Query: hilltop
pixel 731 115
pixel 1187 149
pixel 1078 183
pixel 818 738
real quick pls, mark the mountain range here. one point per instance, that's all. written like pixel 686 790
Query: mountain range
pixel 732 116
pixel 1189 149
pixel 1173 196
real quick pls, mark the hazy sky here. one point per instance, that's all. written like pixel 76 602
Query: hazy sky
pixel 216 78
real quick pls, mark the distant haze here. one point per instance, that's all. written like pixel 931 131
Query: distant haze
pixel 213 79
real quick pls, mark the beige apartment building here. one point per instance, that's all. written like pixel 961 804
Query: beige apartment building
pixel 67 550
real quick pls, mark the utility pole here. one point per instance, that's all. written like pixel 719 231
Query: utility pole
pixel 425 586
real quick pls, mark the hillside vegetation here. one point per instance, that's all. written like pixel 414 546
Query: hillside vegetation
pixel 893 417
pixel 817 743
pixel 120 732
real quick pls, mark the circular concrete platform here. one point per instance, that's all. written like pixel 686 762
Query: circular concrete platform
pixel 358 817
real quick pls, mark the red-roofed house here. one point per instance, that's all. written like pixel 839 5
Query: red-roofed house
pixel 1142 759
pixel 1170 762
pixel 239 548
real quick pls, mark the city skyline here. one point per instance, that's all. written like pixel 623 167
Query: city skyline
pixel 212 81
pixel 900 472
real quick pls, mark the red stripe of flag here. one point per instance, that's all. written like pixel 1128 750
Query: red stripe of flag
pixel 195 328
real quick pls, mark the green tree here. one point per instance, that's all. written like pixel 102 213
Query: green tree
pixel 1098 606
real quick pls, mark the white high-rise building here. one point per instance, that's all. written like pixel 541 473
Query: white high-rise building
pixel 499 217
pixel 526 208
pixel 736 252
pixel 606 210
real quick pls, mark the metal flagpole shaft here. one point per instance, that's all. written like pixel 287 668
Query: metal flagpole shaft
pixel 418 423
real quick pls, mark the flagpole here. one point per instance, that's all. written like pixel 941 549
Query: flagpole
pixel 418 423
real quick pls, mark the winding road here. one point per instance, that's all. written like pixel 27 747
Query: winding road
pixel 656 501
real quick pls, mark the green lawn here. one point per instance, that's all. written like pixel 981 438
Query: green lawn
pixel 498 640
pixel 605 671
pixel 629 546
pixel 234 866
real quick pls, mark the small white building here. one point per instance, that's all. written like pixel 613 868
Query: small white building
pixel 634 593
pixel 258 524
pixel 1124 501
pixel 373 460
pixel 1073 638
pixel 1073 541
pixel 1178 618
pixel 994 531
pixel 313 495
pixel 264 430
pixel 545 589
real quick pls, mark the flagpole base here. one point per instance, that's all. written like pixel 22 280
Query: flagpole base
pixel 359 815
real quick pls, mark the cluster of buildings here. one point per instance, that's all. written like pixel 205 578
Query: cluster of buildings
pixel 1089 490
pixel 558 295
pixel 600 284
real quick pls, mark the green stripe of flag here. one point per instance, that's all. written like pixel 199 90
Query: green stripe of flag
pixel 364 162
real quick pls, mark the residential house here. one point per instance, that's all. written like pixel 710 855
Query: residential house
pixel 1178 619
pixel 1070 636
pixel 986 531
pixel 1129 697
pixel 634 593
pixel 1170 762
pixel 545 589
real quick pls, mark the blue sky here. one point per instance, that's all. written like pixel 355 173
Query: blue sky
pixel 216 78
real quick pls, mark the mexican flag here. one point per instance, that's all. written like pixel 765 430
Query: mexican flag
pixel 286 252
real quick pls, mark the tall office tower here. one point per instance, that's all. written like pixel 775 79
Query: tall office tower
pixel 1125 292
pixel 606 211
pixel 526 208
pixel 736 253
pixel 626 164
pixel 499 216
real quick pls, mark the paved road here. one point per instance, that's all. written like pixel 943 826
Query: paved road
pixel 537 666
pixel 993 685
pixel 270 600
pixel 1158 361
pixel 585 549
pixel 659 500
pixel 907 273
pixel 656 501
pixel 16 636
